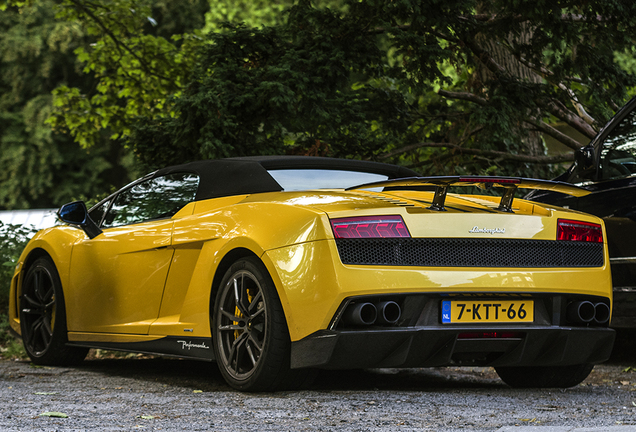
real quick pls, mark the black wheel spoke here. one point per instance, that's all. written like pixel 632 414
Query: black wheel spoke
pixel 42 288
pixel 46 324
pixel 32 331
pixel 256 344
pixel 237 296
pixel 32 302
pixel 254 304
pixel 231 327
pixel 231 363
pixel 37 334
pixel 250 354
pixel 236 353
pixel 49 306
pixel 244 296
pixel 37 282
pixel 49 297
pixel 230 316
pixel 257 313
pixel 46 333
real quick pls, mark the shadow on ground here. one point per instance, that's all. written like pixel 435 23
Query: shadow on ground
pixel 205 376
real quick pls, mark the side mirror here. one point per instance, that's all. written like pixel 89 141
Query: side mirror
pixel 585 161
pixel 75 213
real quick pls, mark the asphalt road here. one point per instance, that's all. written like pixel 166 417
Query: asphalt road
pixel 167 394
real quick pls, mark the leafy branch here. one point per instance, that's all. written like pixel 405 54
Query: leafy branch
pixel 81 6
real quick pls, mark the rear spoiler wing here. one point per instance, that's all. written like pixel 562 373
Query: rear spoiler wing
pixel 509 184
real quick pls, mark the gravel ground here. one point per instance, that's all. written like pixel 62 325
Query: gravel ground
pixel 168 394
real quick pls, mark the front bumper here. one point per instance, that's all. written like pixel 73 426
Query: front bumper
pixel 435 346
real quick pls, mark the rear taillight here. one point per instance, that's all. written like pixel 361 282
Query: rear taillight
pixel 571 230
pixel 369 227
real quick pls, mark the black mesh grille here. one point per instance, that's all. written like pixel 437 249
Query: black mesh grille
pixel 433 252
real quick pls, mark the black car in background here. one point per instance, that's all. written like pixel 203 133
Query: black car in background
pixel 607 167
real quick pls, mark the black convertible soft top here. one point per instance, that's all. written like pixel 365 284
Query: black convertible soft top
pixel 248 175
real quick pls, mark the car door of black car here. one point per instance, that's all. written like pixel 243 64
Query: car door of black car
pixel 613 198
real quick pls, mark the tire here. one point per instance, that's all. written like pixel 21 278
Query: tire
pixel 43 317
pixel 251 340
pixel 544 376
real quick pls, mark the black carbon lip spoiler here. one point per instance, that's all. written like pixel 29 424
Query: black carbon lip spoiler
pixel 509 184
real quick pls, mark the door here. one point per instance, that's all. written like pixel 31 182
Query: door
pixel 613 198
pixel 117 278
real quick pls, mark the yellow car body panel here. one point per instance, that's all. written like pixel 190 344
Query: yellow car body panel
pixel 314 302
pixel 333 281
pixel 294 239
pixel 104 295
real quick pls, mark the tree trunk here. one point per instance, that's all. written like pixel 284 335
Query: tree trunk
pixel 531 140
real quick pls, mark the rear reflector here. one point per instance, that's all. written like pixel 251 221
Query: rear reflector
pixel 370 227
pixel 571 230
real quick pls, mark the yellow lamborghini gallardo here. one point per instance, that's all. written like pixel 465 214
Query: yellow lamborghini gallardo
pixel 277 266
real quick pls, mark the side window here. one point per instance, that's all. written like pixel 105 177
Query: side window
pixel 156 198
pixel 97 213
pixel 618 155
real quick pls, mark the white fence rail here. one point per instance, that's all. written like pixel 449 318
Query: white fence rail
pixel 38 218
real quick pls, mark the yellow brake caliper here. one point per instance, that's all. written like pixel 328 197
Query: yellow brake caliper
pixel 238 313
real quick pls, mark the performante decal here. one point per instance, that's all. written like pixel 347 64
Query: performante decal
pixel 477 230
pixel 195 347
pixel 189 345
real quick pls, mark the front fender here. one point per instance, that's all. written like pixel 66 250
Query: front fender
pixel 57 243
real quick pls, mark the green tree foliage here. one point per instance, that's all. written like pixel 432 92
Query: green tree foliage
pixel 136 64
pixel 449 86
pixel 13 238
pixel 253 13
pixel 260 91
pixel 37 167
pixel 45 47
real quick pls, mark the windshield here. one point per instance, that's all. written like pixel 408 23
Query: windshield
pixel 306 179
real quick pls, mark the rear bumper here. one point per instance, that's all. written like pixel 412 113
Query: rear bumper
pixel 435 346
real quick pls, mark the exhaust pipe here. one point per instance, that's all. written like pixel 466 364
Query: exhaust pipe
pixel 581 312
pixel 601 313
pixel 389 312
pixel 361 314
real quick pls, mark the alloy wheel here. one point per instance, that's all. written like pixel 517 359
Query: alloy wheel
pixel 38 308
pixel 241 324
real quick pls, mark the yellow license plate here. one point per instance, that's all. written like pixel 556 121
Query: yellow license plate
pixel 487 311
